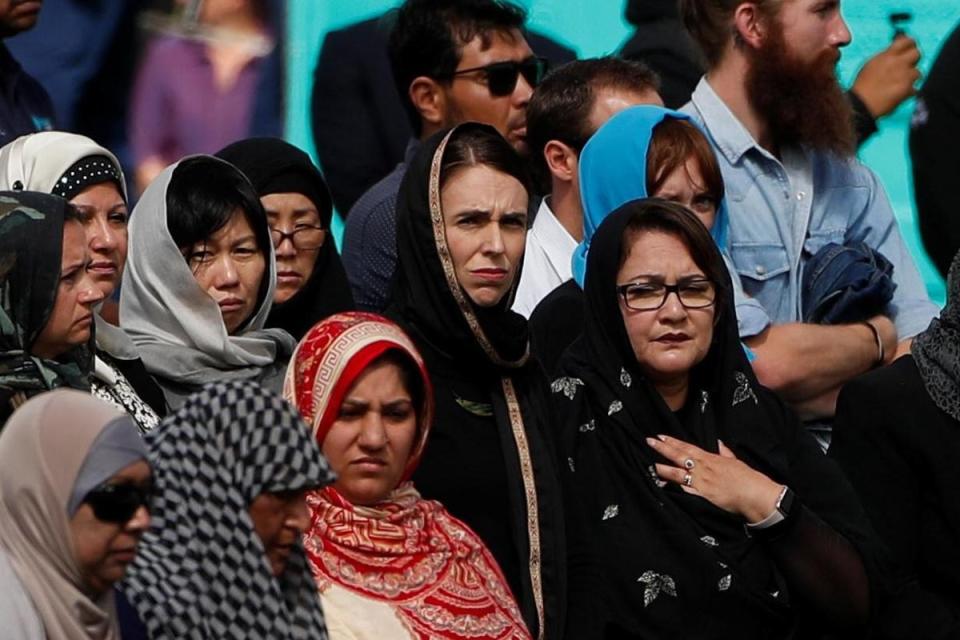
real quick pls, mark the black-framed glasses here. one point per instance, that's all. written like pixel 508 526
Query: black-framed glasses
pixel 118 503
pixel 304 237
pixel 650 296
pixel 502 76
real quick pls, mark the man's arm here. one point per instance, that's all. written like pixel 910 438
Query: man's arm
pixel 803 362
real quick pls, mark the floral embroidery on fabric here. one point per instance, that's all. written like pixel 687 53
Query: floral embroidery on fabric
pixel 724 583
pixel 615 407
pixel 590 426
pixel 573 468
pixel 655 584
pixel 612 511
pixel 567 386
pixel 710 541
pixel 625 378
pixel 743 391
pixel 704 401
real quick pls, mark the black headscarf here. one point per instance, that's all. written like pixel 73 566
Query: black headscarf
pixel 484 382
pixel 31 248
pixel 275 166
pixel 937 350
pixel 662 552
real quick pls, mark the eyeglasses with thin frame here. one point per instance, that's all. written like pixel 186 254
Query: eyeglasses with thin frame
pixel 304 237
pixel 117 503
pixel 502 76
pixel 696 293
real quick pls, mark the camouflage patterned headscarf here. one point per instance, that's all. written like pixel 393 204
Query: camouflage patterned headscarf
pixel 31 244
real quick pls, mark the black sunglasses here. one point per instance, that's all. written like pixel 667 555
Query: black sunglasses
pixel 118 503
pixel 502 76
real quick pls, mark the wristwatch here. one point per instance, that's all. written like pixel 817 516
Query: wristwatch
pixel 781 511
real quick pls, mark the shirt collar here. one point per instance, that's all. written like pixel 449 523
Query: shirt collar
pixel 728 133
pixel 553 238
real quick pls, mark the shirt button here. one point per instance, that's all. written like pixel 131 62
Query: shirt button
pixel 760 270
pixel 800 195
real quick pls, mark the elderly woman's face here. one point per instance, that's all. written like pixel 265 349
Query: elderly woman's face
pixel 104 214
pixel 485 220
pixel 295 222
pixel 670 340
pixel 101 549
pixel 370 442
pixel 685 185
pixel 71 318
pixel 278 519
pixel 229 267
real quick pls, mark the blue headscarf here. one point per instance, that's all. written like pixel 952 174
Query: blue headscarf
pixel 613 171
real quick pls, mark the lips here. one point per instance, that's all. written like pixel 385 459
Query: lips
pixel 289 277
pixel 491 274
pixel 102 267
pixel 84 321
pixel 673 338
pixel 230 305
pixel 369 464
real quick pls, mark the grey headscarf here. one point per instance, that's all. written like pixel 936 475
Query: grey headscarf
pixel 38 162
pixel 176 326
pixel 937 350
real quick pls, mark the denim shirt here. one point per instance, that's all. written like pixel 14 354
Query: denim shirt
pixel 783 211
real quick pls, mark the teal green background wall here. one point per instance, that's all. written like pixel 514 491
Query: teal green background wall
pixel 596 27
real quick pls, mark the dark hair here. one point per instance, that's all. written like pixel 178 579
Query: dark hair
pixel 710 22
pixel 410 377
pixel 428 36
pixel 561 105
pixel 672 143
pixel 656 214
pixel 474 145
pixel 203 194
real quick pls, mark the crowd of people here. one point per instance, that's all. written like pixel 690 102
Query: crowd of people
pixel 589 367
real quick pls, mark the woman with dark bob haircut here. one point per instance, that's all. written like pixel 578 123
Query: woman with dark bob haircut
pixel 709 512
pixel 200 280
pixel 461 229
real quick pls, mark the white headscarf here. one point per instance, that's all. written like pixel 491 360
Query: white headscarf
pixel 43 448
pixel 35 162
pixel 177 327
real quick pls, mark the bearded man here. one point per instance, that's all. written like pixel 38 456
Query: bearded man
pixel 785 139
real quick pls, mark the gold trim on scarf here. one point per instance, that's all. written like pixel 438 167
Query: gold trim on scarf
pixel 440 239
pixel 530 493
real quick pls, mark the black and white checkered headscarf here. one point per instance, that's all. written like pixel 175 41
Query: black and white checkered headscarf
pixel 201 570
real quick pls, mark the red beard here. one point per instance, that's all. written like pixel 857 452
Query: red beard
pixel 801 102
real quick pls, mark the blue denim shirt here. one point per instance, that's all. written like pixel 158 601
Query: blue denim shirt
pixel 783 212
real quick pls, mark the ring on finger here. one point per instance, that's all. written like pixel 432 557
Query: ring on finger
pixel 687 480
pixel 689 464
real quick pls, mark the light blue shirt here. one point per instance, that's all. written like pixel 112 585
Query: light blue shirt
pixel 782 211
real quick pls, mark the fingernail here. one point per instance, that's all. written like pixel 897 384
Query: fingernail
pixel 662 437
pixel 652 442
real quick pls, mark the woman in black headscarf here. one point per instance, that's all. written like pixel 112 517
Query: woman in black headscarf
pixel 710 513
pixel 896 435
pixel 461 227
pixel 311 282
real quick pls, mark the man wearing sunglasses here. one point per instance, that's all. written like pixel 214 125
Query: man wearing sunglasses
pixel 453 61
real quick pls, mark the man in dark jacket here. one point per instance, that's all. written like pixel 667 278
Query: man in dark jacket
pixel 25 106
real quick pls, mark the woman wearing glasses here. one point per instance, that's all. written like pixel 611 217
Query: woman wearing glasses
pixel 461 228
pixel 709 512
pixel 74 498
pixel 200 281
pixel 311 282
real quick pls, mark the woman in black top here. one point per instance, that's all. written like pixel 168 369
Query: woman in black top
pixel 461 228
pixel 896 434
pixel 710 512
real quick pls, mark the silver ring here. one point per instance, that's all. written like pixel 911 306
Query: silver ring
pixel 689 464
pixel 687 480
